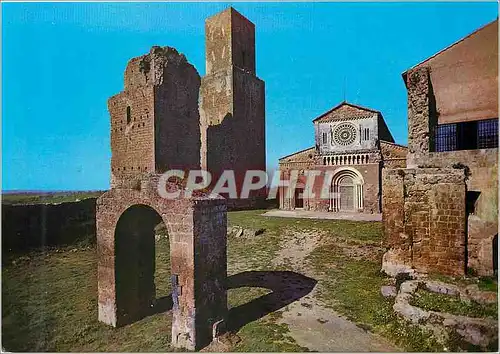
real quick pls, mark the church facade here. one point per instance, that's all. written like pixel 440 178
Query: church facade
pixel 342 172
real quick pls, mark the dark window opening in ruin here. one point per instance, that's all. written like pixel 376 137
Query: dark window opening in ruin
pixel 471 200
pixel 481 134
pixel 324 138
pixel 129 117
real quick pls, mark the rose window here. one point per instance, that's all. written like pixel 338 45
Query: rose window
pixel 344 134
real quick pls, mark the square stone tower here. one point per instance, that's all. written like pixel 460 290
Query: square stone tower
pixel 232 100
pixel 155 123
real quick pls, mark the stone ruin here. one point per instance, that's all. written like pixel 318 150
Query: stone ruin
pixel 126 219
pixel 441 213
pixel 155 126
pixel 168 118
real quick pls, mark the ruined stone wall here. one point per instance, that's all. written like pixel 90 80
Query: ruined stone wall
pixel 177 120
pixel 210 266
pixel 132 141
pixel 424 220
pixel 482 167
pixel 26 227
pixel 432 98
pixel 421 115
pixel 155 120
pixel 196 228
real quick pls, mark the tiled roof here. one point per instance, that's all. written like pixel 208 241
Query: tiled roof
pixel 298 154
pixel 345 111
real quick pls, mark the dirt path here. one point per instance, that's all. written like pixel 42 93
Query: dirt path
pixel 311 324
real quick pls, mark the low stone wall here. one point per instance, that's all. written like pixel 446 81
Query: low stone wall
pixel 481 332
pixel 424 220
pixel 26 227
pixel 481 219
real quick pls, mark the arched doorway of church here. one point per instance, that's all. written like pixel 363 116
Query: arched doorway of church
pixel 299 198
pixel 347 191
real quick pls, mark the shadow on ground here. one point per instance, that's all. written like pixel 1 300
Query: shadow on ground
pixel 286 287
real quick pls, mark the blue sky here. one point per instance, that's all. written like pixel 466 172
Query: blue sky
pixel 61 62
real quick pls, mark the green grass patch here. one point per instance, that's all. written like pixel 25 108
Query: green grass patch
pixel 264 247
pixel 488 284
pixel 484 283
pixel 267 336
pixel 49 302
pixel 50 299
pixel 357 230
pixel 352 287
pixel 431 301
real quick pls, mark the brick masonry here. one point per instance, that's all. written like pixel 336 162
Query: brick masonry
pixel 419 204
pixel 363 160
pixel 413 236
pixel 126 219
pixel 31 226
pixel 155 126
pixel 232 104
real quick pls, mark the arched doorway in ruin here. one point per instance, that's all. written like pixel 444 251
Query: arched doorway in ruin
pixel 346 190
pixel 144 275
pixel 125 225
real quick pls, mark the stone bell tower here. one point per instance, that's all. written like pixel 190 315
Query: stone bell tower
pixel 232 101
